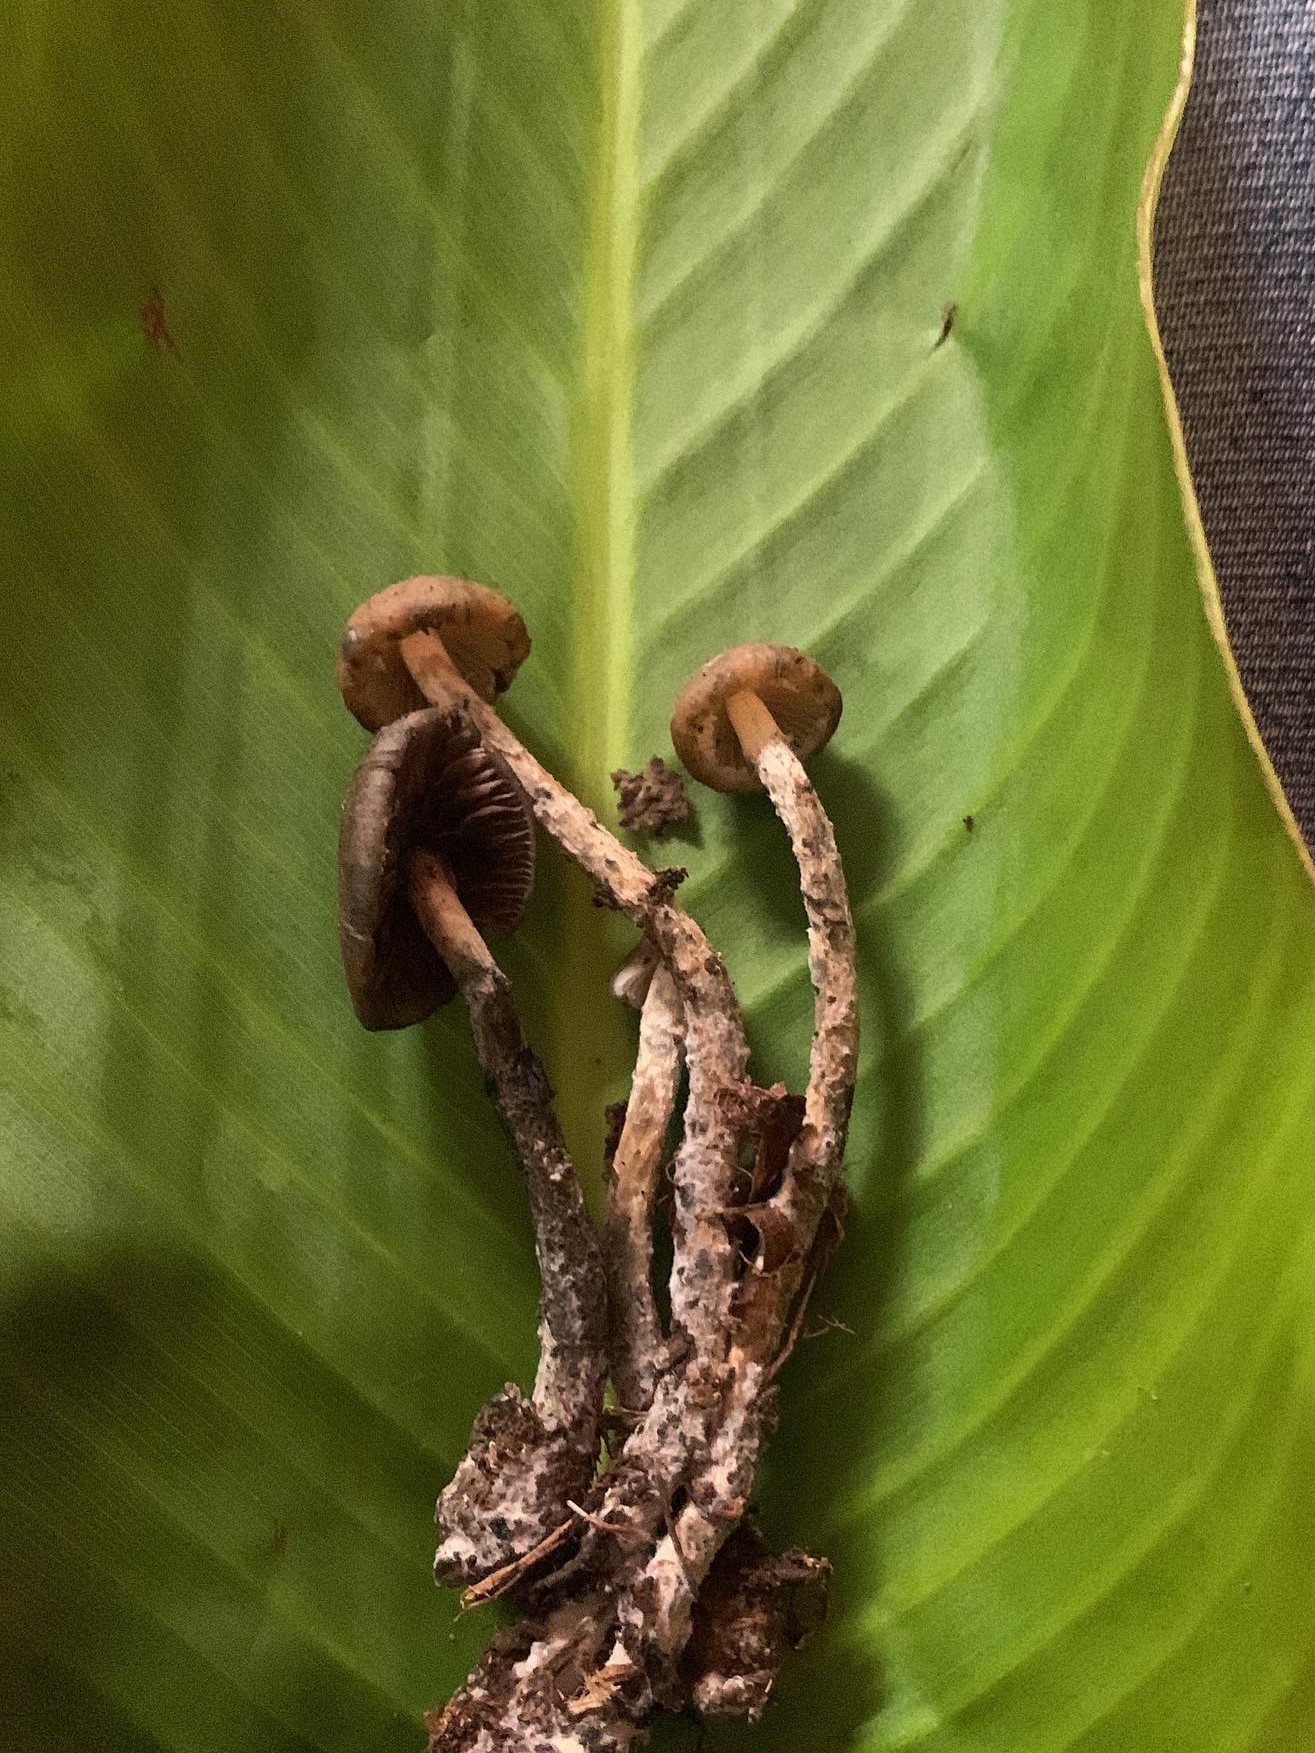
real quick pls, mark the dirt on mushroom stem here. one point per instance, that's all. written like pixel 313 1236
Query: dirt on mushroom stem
pixel 756 1606
pixel 551 1682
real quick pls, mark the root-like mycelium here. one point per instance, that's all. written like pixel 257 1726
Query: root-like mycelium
pixel 643 1596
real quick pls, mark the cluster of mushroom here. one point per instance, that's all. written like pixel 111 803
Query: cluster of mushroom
pixel 616 1524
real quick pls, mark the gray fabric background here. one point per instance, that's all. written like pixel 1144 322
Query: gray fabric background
pixel 1235 277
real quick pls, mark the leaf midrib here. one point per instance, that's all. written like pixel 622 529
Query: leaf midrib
pixel 603 485
pixel 602 493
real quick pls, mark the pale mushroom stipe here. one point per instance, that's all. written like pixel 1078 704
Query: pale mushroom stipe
pixel 622 1535
pixel 635 1171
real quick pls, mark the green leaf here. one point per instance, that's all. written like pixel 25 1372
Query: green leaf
pixel 636 309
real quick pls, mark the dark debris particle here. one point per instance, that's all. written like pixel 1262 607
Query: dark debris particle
pixel 949 316
pixel 652 801
pixel 969 823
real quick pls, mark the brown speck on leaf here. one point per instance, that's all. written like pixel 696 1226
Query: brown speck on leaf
pixel 155 324
pixel 969 823
pixel 949 316
pixel 653 800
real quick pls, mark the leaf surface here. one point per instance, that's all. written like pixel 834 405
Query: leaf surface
pixel 684 322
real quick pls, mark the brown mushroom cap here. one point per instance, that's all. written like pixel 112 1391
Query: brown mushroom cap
pixel 798 693
pixel 426 783
pixel 481 631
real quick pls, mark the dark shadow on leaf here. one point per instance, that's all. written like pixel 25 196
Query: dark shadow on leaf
pixel 163 1535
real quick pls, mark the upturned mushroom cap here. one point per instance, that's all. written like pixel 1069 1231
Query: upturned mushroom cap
pixel 426 783
pixel 798 693
pixel 481 631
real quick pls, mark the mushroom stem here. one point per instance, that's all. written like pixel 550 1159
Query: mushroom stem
pixel 568 1387
pixel 632 1191
pixel 569 1378
pixel 432 670
pixel 703 1173
pixel 753 723
pixel 813 1168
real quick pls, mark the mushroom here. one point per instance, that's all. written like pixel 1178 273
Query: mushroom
pixel 744 699
pixel 431 627
pixel 426 784
pixel 437 839
pixel 747 721
pixel 744 721
pixel 646 985
pixel 450 641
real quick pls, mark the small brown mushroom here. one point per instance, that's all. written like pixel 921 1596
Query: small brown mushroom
pixel 747 720
pixel 431 626
pixel 646 985
pixel 743 699
pixel 436 837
